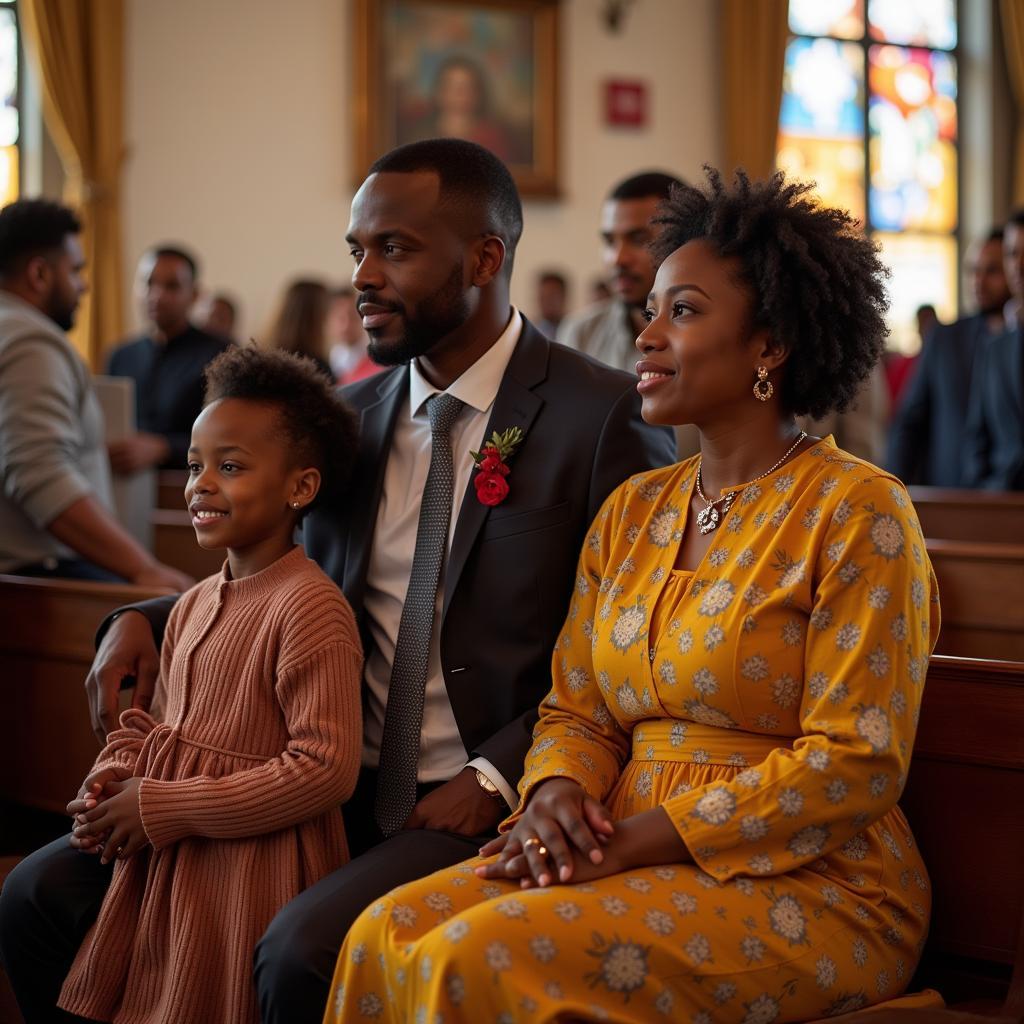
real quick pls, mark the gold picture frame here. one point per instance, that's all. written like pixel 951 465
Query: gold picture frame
pixel 486 70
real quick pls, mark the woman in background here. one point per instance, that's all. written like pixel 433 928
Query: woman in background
pixel 300 326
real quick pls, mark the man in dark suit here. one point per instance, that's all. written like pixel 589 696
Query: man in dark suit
pixel 995 422
pixel 433 232
pixel 926 439
pixel 166 364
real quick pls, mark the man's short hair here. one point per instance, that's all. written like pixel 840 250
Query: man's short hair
pixel 226 300
pixel 554 277
pixel 995 235
pixel 32 227
pixel 470 176
pixel 1016 218
pixel 178 253
pixel 646 185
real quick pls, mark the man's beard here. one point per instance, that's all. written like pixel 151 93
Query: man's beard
pixel 437 316
pixel 61 313
pixel 993 308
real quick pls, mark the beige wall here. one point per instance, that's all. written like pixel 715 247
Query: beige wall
pixel 238 130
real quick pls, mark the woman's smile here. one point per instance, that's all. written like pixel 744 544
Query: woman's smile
pixel 651 374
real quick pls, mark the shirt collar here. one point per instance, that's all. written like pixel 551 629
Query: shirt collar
pixel 478 386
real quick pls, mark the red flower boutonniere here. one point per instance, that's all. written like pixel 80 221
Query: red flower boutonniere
pixel 492 466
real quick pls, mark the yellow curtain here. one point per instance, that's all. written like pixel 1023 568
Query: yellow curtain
pixel 78 48
pixel 753 53
pixel 1013 38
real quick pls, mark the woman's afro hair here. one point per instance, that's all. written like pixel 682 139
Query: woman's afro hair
pixel 320 427
pixel 816 282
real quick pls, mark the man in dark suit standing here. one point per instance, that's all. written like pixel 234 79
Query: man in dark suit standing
pixel 995 422
pixel 460 581
pixel 926 439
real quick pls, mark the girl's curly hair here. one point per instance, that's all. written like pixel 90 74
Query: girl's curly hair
pixel 321 428
pixel 816 282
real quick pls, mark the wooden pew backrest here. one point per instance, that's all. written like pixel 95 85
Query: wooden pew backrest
pixel 981 594
pixel 46 647
pixel 964 799
pixel 170 489
pixel 993 517
pixel 174 543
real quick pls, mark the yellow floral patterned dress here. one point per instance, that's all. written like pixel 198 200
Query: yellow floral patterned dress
pixel 768 703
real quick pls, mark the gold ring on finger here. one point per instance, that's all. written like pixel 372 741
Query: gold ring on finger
pixel 542 851
pixel 532 841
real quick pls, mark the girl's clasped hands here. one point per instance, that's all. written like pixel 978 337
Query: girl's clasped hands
pixel 107 819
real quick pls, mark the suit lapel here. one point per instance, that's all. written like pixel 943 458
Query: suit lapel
pixel 1016 361
pixel 966 349
pixel 376 425
pixel 515 405
pixel 1005 363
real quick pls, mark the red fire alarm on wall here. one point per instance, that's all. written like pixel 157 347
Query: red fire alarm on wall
pixel 625 103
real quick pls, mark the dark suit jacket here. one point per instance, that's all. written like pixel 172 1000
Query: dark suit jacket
pixel 926 439
pixel 511 568
pixel 168 384
pixel 995 426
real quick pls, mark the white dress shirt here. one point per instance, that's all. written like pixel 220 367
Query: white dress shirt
pixel 442 753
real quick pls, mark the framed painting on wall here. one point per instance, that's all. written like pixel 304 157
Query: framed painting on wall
pixel 484 70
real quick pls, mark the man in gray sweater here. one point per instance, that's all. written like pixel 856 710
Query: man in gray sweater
pixel 55 503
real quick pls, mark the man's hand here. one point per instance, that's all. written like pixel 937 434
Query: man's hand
pixel 564 822
pixel 138 451
pixel 459 806
pixel 128 649
pixel 118 821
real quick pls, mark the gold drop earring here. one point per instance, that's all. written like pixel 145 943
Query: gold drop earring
pixel 763 389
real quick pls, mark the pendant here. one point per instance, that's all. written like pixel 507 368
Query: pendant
pixel 709 517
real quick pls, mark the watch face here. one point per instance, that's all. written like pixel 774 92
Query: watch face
pixel 485 783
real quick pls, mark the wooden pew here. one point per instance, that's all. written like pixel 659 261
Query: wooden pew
pixel 990 517
pixel 964 799
pixel 964 795
pixel 981 592
pixel 174 543
pixel 170 489
pixel 174 539
pixel 46 647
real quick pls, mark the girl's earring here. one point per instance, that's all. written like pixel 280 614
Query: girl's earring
pixel 295 504
pixel 763 389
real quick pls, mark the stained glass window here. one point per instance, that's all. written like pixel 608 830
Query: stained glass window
pixel 9 116
pixel 869 114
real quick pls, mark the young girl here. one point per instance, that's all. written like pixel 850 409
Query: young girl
pixel 226 806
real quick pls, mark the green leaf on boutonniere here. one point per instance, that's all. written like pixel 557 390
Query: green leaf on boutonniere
pixel 504 444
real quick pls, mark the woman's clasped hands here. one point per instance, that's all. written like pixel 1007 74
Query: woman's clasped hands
pixel 563 835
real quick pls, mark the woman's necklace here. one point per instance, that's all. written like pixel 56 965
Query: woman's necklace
pixel 709 517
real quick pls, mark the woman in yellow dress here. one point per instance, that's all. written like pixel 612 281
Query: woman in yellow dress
pixel 708 828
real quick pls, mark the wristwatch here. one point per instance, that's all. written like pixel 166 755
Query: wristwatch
pixel 487 786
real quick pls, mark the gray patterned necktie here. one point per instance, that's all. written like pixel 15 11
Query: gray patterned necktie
pixel 400 744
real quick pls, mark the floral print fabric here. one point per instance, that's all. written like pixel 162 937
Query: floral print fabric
pixel 768 703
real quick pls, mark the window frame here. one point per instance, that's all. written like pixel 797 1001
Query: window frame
pixel 864 42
